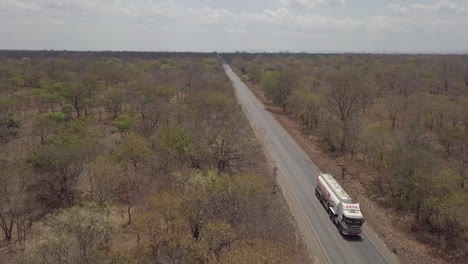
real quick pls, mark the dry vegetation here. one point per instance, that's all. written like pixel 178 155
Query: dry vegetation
pixel 133 160
pixel 399 123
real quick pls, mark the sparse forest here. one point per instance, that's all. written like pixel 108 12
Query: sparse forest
pixel 147 158
pixel 404 118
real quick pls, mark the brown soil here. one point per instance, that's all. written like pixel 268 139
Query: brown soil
pixel 392 226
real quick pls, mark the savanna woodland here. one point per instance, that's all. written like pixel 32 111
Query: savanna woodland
pixel 147 158
pixel 399 121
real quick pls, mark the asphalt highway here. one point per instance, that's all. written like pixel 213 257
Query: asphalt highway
pixel 299 176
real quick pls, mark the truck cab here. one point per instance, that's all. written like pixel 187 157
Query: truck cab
pixel 349 219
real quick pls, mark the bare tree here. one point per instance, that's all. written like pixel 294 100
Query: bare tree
pixel 445 73
pixel 191 69
pixel 406 83
pixel 344 100
pixel 16 211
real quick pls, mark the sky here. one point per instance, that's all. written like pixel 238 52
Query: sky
pixel 421 26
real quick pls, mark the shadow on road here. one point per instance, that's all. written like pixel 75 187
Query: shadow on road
pixel 353 238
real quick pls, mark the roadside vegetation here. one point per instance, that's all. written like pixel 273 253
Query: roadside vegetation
pixel 133 158
pixel 402 118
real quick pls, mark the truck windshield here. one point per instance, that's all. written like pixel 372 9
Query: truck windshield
pixel 350 221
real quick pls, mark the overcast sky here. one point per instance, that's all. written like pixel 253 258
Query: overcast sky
pixel 234 25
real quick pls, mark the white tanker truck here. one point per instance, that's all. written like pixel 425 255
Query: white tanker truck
pixel 346 215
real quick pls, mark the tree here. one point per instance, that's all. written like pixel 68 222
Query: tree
pixel 278 86
pixel 452 214
pixel 191 70
pixel 50 93
pixel 343 100
pixel 124 124
pixel 48 124
pixel 217 238
pixel 445 73
pixel 155 113
pixel 465 74
pixel 75 94
pixel 79 90
pixel 176 145
pixel 114 101
pixel 163 229
pixel 166 69
pixel 74 235
pixel 368 95
pixel 9 124
pixel 395 105
pixel 15 211
pixel 132 151
pixel 219 137
pixel 104 177
pixel 406 83
pixel 59 163
pixel 307 106
pixel 460 154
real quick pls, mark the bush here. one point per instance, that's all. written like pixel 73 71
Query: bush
pixel 124 124
pixel 75 235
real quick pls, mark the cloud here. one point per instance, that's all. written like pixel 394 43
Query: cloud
pixel 83 10
pixel 280 20
pixel 311 3
pixel 439 17
pixel 405 19
pixel 440 6
pixel 176 23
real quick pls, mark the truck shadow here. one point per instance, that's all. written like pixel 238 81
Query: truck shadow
pixel 352 238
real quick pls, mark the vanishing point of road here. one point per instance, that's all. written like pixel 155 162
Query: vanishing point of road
pixel 297 179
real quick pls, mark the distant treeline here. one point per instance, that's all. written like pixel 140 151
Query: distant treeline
pixel 301 55
pixel 19 54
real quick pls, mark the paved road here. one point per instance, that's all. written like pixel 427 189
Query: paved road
pixel 299 177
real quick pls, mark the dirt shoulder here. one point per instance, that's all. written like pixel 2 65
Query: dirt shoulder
pixel 391 226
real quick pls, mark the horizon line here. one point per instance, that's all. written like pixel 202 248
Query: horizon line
pixel 256 52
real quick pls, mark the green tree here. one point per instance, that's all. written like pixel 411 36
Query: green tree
pixel 176 145
pixel 48 124
pixel 124 124
pixel 307 106
pixel 278 86
pixel 59 163
pixel 11 122
pixel 78 92
pixel 166 69
pixel 50 93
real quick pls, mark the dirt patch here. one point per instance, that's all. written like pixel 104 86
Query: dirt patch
pixel 390 225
